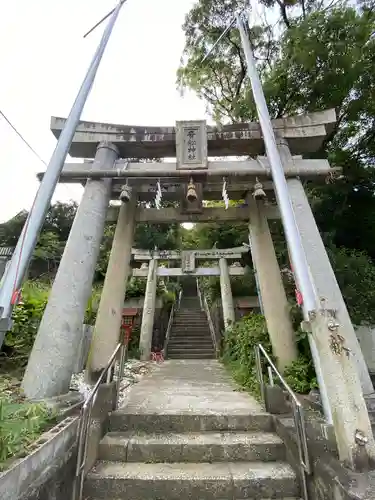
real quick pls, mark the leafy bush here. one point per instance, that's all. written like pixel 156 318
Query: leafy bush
pixel 239 355
pixel 92 306
pixel 26 318
pixel 355 273
pixel 300 375
pixel 241 286
pixel 21 423
pixel 239 349
pixel 136 288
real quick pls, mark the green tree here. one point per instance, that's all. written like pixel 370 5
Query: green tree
pixel 316 56
pixel 321 58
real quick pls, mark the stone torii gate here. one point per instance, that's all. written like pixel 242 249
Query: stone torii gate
pixel 192 177
pixel 188 268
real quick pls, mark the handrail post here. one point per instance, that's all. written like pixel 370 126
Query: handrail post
pixel 170 322
pixel 123 357
pixel 258 366
pixel 298 415
pixel 85 416
pixel 199 293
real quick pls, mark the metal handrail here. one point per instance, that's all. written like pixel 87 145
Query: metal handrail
pixel 107 375
pixel 210 322
pixel 298 413
pixel 169 327
pixel 179 300
pixel 170 321
pixel 204 306
pixel 199 293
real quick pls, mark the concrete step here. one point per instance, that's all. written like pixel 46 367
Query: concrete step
pixel 192 447
pixel 256 480
pixel 182 335
pixel 190 321
pixel 184 341
pixel 190 306
pixel 190 338
pixel 192 326
pixel 124 420
pixel 196 313
pixel 190 350
pixel 185 336
pixel 182 344
pixel 186 326
pixel 190 347
pixel 184 330
pixel 188 355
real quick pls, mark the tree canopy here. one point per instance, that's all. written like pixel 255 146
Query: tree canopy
pixel 314 56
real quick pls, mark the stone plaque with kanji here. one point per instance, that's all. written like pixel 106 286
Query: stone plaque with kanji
pixel 187 261
pixel 191 144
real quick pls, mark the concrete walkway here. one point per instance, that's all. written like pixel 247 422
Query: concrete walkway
pixel 189 386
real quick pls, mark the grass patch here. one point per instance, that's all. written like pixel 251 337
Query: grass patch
pixel 21 422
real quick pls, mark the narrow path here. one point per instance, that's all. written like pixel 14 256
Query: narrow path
pixel 189 386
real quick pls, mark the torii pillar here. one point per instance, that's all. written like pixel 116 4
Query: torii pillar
pixel 147 326
pixel 108 319
pixel 54 353
pixel 273 296
pixel 320 267
pixel 226 293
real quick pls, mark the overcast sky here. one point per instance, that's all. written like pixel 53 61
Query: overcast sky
pixel 43 59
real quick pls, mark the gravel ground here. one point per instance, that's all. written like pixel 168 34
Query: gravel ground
pixel 133 373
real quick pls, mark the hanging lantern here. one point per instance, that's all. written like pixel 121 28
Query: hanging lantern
pixel 126 193
pixel 259 193
pixel 191 195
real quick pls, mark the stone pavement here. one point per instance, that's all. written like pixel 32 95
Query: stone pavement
pixel 191 386
pixel 186 431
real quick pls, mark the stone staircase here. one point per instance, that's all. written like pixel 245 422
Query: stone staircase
pixel 186 433
pixel 190 336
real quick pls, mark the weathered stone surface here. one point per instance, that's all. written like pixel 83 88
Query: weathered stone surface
pixel 305 132
pixel 187 480
pixel 148 313
pixel 324 278
pixel 177 271
pixel 275 304
pixel 54 353
pixel 329 479
pixel 108 319
pixel 122 420
pixel 226 293
pixel 192 447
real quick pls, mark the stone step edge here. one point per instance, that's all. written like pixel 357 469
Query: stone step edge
pixel 191 348
pixel 110 480
pixel 123 419
pixel 186 438
pixel 207 470
pixel 132 446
